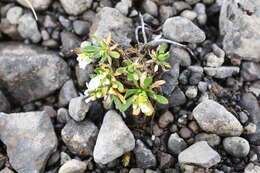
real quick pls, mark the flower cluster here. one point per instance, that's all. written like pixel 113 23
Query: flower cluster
pixel 124 76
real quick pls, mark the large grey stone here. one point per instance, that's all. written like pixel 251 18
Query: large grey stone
pixel 114 139
pixel 29 73
pixel 214 118
pixel 111 21
pixel 239 23
pixel 30 140
pixel 80 137
pixel 200 154
pixel 76 7
pixel 182 30
pixel 28 29
pixel 236 146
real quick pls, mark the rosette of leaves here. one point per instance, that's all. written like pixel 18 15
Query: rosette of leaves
pixel 103 51
pixel 160 56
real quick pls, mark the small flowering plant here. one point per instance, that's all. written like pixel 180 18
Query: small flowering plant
pixel 124 76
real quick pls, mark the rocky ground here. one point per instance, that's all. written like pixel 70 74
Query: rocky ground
pixel 211 125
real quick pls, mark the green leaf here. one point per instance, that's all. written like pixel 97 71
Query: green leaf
pixel 120 86
pixel 119 105
pixel 90 49
pixel 121 70
pixel 163 57
pixel 130 77
pixel 114 54
pixel 131 92
pixel 161 99
pixel 99 41
pixel 162 48
pixel 147 82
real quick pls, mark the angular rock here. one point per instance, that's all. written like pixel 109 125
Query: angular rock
pixel 14 14
pixel 239 23
pixel 165 160
pixel 236 146
pixel 114 139
pixel 81 27
pixel 4 103
pixel 220 122
pixel 251 168
pixel 250 71
pixel 111 21
pixel 80 137
pixel 73 166
pixel 182 30
pixel 222 72
pixel 144 156
pixel 83 75
pixel 200 154
pixel 211 139
pixel 67 92
pixel 30 140
pixel 176 144
pixel 76 7
pixel 78 108
pixel 165 119
pixel 69 42
pixel 27 27
pixel 37 4
pixel 29 73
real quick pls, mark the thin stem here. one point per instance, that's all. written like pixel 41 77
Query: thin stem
pixel 143 28
pixel 34 13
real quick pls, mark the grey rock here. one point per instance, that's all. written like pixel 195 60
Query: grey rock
pixel 81 27
pixel 51 43
pixel 191 92
pixel 243 117
pixel 54 158
pixel 166 12
pixel 45 35
pixel 165 160
pixel 76 7
pixel 220 122
pixel 34 139
pixel 176 144
pixel 111 21
pixel 66 23
pixel 250 129
pixel 64 157
pixel 150 171
pixel 67 92
pixel 222 72
pixel 37 4
pixel 236 146
pixel 171 76
pixel 42 71
pixel 250 71
pixel 249 102
pixel 69 42
pixel 182 30
pixel 83 75
pixel 136 170
pixel 144 156
pixel 252 169
pixel 49 22
pixel 182 55
pixel 28 28
pixel 202 86
pixel 200 154
pixel 200 9
pixel 4 103
pixel 123 6
pixel 150 7
pixel 212 139
pixel 78 108
pixel 63 115
pixel 189 14
pixel 80 137
pixel 181 5
pixel 114 139
pixel 165 119
pixel 73 166
pixel 192 1
pixel 239 23
pixel 196 74
pixel 177 98
pixel 255 88
pixel 89 16
pixel 14 14
pixel 9 29
pixel 215 58
pixel 6 170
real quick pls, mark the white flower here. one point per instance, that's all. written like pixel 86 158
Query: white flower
pixel 82 63
pixel 95 82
